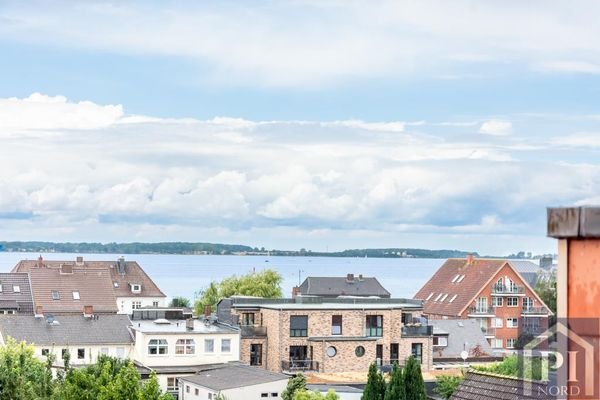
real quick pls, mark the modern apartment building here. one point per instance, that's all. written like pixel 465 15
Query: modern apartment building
pixel 490 291
pixel 328 335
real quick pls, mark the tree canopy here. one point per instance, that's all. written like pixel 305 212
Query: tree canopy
pixel 180 302
pixel 375 388
pixel 296 384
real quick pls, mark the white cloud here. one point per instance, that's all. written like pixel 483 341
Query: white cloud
pixel 304 44
pixel 496 127
pixel 581 139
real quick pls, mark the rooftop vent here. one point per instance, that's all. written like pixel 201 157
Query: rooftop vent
pixel 40 262
pixel 189 324
pixel 162 321
pixel 79 260
pixel 39 311
pixel 350 278
pixel 470 259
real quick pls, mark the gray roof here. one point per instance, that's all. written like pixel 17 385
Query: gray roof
pixel 321 303
pixel 482 386
pixel 179 326
pixel 70 329
pixel 234 376
pixel 459 331
pixel 342 286
pixel 531 271
pixel 22 301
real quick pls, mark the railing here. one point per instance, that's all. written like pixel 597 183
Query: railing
pixel 374 332
pixel 532 330
pixel 423 330
pixel 489 331
pixel 498 289
pixel 482 311
pixel 253 331
pixel 299 365
pixel 534 310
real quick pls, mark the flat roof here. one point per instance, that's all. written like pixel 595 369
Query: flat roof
pixel 179 326
pixel 234 376
pixel 319 303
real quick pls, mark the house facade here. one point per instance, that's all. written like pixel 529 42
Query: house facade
pixel 492 292
pixel 328 335
pixel 174 348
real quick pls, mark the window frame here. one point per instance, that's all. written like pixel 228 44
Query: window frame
pixel 298 332
pixel 228 350
pixel 55 294
pixel 160 345
pixel 337 324
pixel 185 347
pixel 510 300
pixel 76 295
pixel 375 330
pixel 212 345
pixel 81 353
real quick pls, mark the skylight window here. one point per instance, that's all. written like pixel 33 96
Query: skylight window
pixel 430 296
pixel 460 279
pixel 443 298
pixel 115 284
pixel 55 295
pixel 16 288
pixel 76 295
pixel 455 278
pixel 438 296
pixel 452 299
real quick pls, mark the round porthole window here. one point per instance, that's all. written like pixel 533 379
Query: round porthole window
pixel 360 351
pixel 331 351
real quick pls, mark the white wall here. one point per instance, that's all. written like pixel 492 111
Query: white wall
pixel 125 304
pixel 200 357
pixel 253 392
pixel 91 352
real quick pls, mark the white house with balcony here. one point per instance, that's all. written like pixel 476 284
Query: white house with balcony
pixel 174 348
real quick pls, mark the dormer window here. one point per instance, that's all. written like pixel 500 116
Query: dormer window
pixel 16 288
pixel 55 295
pixel 116 284
pixel 136 288
pixel 76 296
pixel 0 287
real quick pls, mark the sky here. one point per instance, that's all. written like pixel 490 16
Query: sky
pixel 298 124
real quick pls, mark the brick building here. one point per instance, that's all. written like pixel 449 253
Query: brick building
pixel 490 291
pixel 328 335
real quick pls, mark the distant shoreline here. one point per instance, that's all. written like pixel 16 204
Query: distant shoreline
pixel 189 248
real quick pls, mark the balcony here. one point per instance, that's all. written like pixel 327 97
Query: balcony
pixel 489 332
pixel 249 331
pixel 422 330
pixel 299 365
pixel 482 311
pixel 534 311
pixel 501 290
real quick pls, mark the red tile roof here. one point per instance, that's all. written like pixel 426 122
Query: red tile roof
pixel 468 279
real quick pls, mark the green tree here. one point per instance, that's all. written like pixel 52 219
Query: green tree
pixel 151 390
pixel 375 388
pixel 180 302
pixel 413 380
pixel 22 375
pixel 310 395
pixel 446 385
pixel 125 386
pixel 395 389
pixel 266 283
pixel 295 384
pixel 545 287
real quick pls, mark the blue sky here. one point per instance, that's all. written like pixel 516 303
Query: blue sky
pixel 316 124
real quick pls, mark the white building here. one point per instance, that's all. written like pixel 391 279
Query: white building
pixel 233 382
pixel 85 338
pixel 179 347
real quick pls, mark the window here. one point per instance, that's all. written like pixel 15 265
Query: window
pixel 264 395
pixel 299 326
pixel 136 288
pixel 0 287
pixel 45 352
pixel 16 288
pixel 63 352
pixel 374 325
pixel 172 384
pixel 453 298
pixel 438 297
pixel 455 278
pixel 120 352
pixel 406 318
pixel 512 301
pixel 512 323
pixel 209 345
pixel 430 296
pixel 187 388
pixel 443 298
pixel 417 351
pixel 80 354
pixel 248 319
pixel 116 284
pixel 496 322
pixel 55 295
pixel 497 301
pixel 482 304
pixel 185 346
pixel 359 351
pixel 76 296
pixel 510 343
pixel 210 396
pixel 497 343
pixel 460 279
pixel 527 303
pixel 331 351
pixel 274 394
pixel 336 324
pixel 104 350
pixel 196 392
pixel 440 341
pixel 155 304
pixel 256 354
pixel 225 345
pixel 136 304
pixel 158 347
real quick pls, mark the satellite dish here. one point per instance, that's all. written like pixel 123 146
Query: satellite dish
pixel 464 355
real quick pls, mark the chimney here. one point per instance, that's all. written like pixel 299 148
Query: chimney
pixel 207 310
pixel 88 311
pixel 350 277
pixel 121 265
pixel 189 324
pixel 295 292
pixel 40 262
pixel 39 312
pixel 546 262
pixel 470 259
pixel 360 278
pixel 79 260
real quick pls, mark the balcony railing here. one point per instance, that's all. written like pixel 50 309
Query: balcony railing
pixel 299 365
pixel 423 330
pixel 534 310
pixel 253 331
pixel 482 311
pixel 498 289
pixel 489 331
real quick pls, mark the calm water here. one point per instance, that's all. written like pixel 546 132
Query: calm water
pixel 183 275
